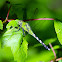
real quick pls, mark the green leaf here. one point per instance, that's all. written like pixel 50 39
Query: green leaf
pixel 58 29
pixel 1 25
pixel 13 39
pixel 12 23
pixel 23 50
pixel 56 47
pixel 6 54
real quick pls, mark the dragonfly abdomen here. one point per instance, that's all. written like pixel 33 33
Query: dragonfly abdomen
pixel 40 41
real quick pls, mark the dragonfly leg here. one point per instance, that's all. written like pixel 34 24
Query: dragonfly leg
pixel 22 29
pixel 19 29
pixel 23 32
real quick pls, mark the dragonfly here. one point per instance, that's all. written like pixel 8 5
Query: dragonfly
pixel 28 29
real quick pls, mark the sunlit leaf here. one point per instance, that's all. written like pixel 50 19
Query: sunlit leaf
pixel 58 29
pixel 14 39
pixel 56 47
pixel 12 23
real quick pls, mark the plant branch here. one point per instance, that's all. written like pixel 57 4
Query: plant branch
pixel 52 50
pixel 8 13
pixel 40 19
pixel 34 19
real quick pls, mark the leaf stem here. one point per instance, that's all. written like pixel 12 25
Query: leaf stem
pixel 52 50
pixel 34 19
pixel 40 19
pixel 8 13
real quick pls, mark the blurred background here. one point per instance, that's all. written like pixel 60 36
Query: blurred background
pixel 44 29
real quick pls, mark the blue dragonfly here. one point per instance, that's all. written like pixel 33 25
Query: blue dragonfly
pixel 28 29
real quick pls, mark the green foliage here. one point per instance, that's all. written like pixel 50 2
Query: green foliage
pixel 6 55
pixel 1 25
pixel 13 46
pixel 58 29
pixel 13 38
pixel 34 56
